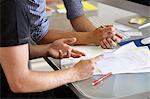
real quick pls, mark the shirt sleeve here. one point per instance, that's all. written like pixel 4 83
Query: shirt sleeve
pixel 14 23
pixel 38 19
pixel 74 8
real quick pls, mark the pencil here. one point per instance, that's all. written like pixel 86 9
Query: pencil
pixel 102 78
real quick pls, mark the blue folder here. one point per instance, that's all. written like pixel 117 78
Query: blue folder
pixel 136 41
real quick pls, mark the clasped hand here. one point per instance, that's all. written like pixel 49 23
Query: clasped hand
pixel 105 36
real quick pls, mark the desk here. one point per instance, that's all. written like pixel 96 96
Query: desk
pixel 122 86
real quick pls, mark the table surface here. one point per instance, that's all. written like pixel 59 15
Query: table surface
pixel 121 86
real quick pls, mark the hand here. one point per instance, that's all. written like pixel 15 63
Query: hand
pixel 110 42
pixel 61 49
pixel 84 69
pixel 105 36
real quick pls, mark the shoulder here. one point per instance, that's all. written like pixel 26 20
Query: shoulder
pixel 14 26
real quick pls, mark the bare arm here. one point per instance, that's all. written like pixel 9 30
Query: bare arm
pixel 53 34
pixel 37 51
pixel 95 36
pixel 14 61
pixel 82 23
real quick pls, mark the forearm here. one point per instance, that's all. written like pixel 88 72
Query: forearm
pixel 52 35
pixel 42 81
pixel 82 23
pixel 38 51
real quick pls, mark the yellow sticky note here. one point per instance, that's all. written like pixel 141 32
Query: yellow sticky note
pixel 137 20
pixel 86 6
pixel 60 6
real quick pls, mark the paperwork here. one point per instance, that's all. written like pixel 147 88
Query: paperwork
pixel 126 59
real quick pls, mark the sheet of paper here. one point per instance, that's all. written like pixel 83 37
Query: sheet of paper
pixel 90 51
pixel 125 60
pixel 125 48
pixel 122 27
pixel 133 33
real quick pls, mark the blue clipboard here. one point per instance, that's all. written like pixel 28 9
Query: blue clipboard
pixel 136 41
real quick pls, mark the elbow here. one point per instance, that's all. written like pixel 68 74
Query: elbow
pixel 17 87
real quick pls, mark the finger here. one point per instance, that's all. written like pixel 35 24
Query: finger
pixel 74 55
pixel 60 54
pixel 68 53
pixel 110 29
pixel 111 42
pixel 116 38
pixel 119 37
pixel 78 52
pixel 102 44
pixel 106 43
pixel 69 40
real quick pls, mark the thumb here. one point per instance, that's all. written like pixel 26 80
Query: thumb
pixel 70 40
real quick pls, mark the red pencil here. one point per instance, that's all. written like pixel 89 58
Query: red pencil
pixel 102 78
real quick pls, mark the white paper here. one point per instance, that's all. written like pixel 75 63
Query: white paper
pixel 133 33
pixel 90 51
pixel 127 59
pixel 122 27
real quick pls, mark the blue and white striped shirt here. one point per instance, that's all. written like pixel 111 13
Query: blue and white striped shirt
pixel 39 19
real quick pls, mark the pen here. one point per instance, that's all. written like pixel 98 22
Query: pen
pixel 102 78
pixel 118 36
pixel 144 26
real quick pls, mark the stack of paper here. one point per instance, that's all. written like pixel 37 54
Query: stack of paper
pixel 126 59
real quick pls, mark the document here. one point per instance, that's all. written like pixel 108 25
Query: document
pixel 127 59
pixel 90 51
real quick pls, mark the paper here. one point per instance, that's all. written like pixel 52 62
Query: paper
pixel 127 59
pixel 90 51
pixel 122 27
pixel 137 20
pixel 133 33
pixel 86 7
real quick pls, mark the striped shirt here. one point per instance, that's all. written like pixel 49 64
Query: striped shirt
pixel 39 20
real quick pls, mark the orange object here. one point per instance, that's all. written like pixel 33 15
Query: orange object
pixel 102 78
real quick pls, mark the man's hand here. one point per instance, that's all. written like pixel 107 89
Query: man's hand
pixel 105 36
pixel 61 49
pixel 84 69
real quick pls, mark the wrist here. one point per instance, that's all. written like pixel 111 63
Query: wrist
pixel 47 50
pixel 74 74
pixel 91 37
